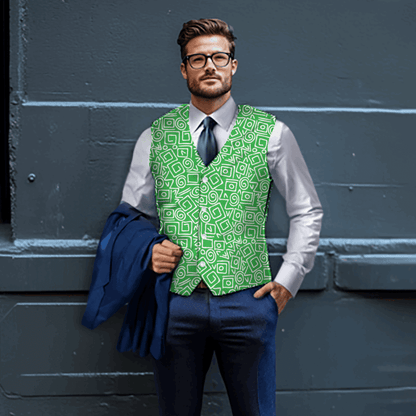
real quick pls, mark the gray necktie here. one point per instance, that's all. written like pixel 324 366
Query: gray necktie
pixel 207 145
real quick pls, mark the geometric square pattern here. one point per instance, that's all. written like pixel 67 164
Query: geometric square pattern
pixel 216 213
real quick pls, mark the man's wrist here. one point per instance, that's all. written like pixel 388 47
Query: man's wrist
pixel 289 277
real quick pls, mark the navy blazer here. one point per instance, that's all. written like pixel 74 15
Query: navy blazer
pixel 121 276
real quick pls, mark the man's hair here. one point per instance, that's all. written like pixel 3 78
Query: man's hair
pixel 203 27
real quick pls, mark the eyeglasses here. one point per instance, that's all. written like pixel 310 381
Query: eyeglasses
pixel 199 60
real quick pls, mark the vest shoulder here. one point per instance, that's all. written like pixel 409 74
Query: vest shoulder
pixel 179 112
pixel 253 112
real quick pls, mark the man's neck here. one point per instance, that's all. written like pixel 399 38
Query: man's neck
pixel 209 105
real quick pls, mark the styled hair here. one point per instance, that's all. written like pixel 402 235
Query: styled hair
pixel 203 27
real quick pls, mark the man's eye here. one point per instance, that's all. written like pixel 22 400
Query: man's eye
pixel 220 59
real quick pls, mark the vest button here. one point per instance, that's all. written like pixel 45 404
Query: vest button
pixel 205 179
pixel 202 264
pixel 204 236
pixel 204 209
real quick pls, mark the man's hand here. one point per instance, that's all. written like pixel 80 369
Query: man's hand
pixel 165 257
pixel 279 293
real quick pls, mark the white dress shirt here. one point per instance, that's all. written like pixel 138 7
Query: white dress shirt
pixel 289 173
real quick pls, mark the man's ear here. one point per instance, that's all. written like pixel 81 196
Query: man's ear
pixel 234 66
pixel 183 70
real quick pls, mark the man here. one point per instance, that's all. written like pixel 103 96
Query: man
pixel 205 170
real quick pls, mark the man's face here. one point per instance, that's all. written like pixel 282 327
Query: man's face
pixel 210 81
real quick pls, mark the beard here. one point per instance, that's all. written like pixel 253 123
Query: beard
pixel 208 92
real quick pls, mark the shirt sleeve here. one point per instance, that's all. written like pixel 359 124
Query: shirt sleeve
pixel 139 188
pixel 291 177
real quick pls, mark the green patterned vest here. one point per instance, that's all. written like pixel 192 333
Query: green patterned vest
pixel 216 213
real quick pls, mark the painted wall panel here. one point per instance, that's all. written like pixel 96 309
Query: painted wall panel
pixel 324 341
pixel 53 354
pixel 361 166
pixel 46 272
pixel 354 55
pixel 54 146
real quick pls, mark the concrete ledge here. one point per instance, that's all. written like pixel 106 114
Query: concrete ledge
pixel 397 402
pixel 41 265
pixel 57 271
pixel 376 272
pixel 63 272
pixel 317 279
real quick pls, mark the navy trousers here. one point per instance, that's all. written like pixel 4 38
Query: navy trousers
pixel 241 330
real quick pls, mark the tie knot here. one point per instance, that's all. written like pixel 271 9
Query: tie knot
pixel 209 123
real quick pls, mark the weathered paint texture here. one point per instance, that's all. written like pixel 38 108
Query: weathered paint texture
pixel 88 77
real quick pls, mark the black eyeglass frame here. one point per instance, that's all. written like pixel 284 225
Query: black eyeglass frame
pixel 230 57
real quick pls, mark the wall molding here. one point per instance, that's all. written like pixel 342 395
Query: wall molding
pixel 110 104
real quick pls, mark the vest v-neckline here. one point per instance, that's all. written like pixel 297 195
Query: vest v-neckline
pixel 219 153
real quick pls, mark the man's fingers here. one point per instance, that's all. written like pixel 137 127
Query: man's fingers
pixel 168 244
pixel 167 264
pixel 163 269
pixel 162 258
pixel 263 290
pixel 165 257
pixel 168 248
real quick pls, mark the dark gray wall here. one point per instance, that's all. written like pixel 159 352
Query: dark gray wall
pixel 88 76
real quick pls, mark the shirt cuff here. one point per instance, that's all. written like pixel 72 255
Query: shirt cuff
pixel 289 277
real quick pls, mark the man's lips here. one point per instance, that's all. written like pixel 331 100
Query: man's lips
pixel 209 78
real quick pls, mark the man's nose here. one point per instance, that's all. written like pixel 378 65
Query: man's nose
pixel 210 65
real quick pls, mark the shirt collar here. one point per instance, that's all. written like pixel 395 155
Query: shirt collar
pixel 223 116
